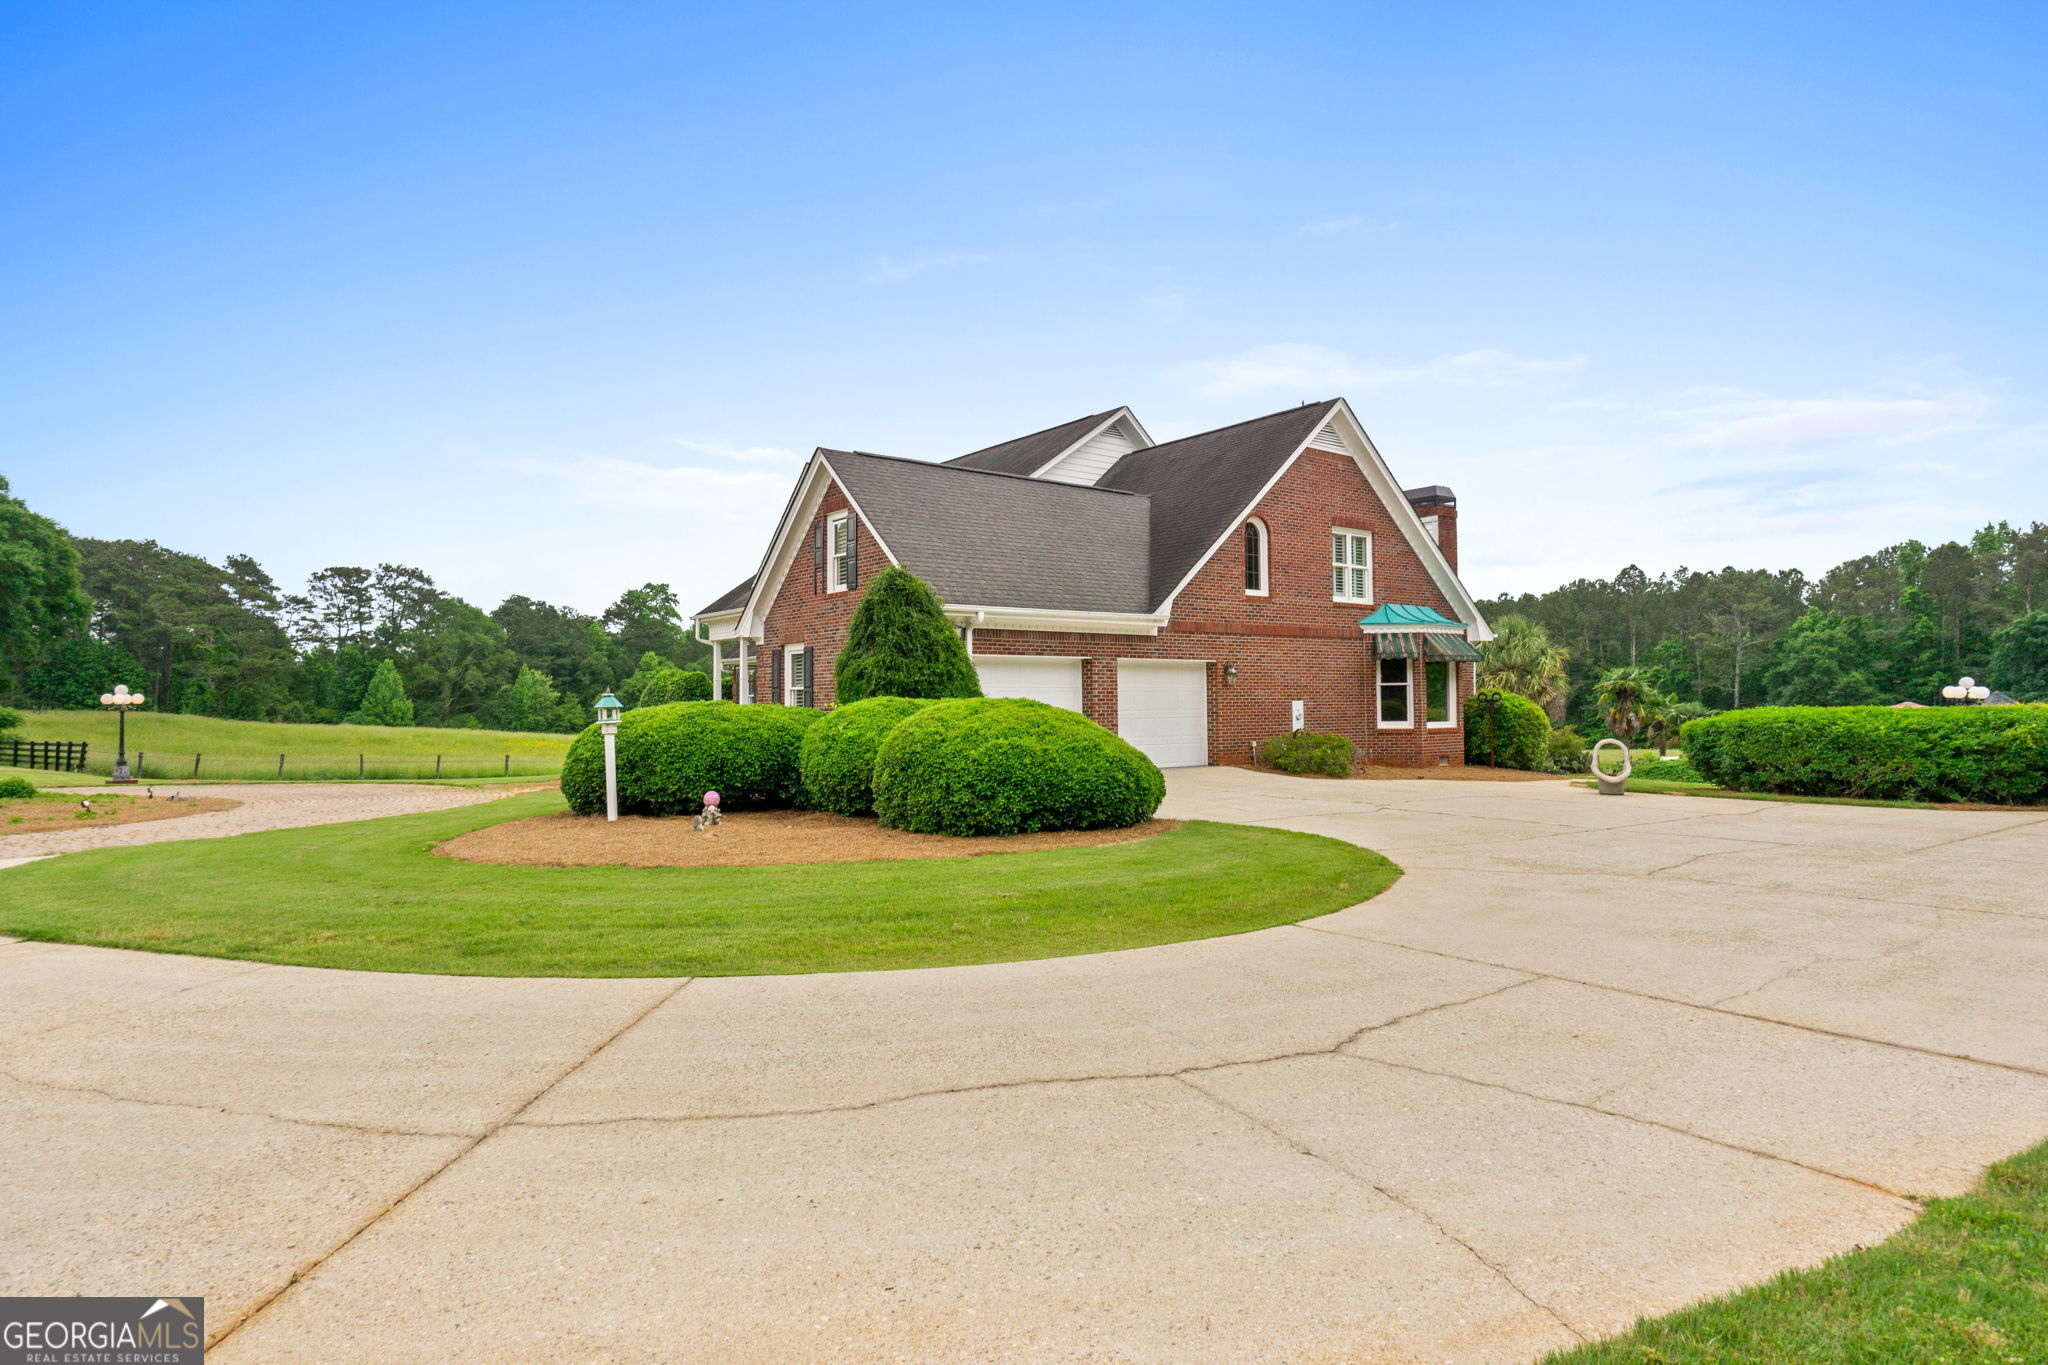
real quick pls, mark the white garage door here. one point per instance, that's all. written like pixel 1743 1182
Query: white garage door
pixel 1056 682
pixel 1163 710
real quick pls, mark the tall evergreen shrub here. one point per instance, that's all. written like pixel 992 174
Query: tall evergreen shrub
pixel 900 644
pixel 384 702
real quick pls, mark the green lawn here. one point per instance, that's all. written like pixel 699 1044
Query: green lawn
pixel 1965 1284
pixel 372 895
pixel 49 779
pixel 249 749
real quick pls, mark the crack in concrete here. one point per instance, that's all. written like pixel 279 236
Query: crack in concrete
pixel 1420 1212
pixel 341 1124
pixel 1022 1082
pixel 306 1270
pixel 1695 1005
pixel 1593 1108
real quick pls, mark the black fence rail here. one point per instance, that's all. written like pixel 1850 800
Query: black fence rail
pixel 156 766
pixel 56 755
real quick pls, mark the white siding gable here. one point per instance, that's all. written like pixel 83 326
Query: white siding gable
pixel 1091 459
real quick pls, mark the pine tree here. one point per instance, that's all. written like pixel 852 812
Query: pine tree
pixel 384 702
pixel 900 644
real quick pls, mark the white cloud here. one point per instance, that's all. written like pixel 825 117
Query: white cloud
pixel 608 480
pixel 1323 227
pixel 1323 370
pixel 896 269
pixel 743 454
pixel 1781 426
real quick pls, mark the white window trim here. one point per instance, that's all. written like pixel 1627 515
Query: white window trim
pixel 1336 596
pixel 1265 588
pixel 1407 688
pixel 790 655
pixel 1450 695
pixel 835 562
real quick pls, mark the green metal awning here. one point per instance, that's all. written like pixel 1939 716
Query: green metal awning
pixel 1454 647
pixel 1387 645
pixel 1400 616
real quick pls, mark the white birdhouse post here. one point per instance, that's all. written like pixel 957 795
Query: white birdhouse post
pixel 118 701
pixel 609 709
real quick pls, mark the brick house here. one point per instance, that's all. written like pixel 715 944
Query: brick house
pixel 1196 597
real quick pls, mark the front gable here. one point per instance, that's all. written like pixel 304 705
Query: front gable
pixel 793 551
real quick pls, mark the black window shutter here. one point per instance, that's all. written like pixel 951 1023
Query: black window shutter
pixel 818 558
pixel 810 677
pixel 775 678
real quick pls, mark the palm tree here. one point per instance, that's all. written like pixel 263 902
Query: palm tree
pixel 1663 727
pixel 1521 659
pixel 1629 700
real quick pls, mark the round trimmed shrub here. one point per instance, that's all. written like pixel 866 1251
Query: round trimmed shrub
pixel 838 761
pixel 1305 751
pixel 669 756
pixel 1517 735
pixel 16 789
pixel 1009 766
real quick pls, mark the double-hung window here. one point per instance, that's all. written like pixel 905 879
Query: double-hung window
pixel 1350 565
pixel 1439 693
pixel 796 676
pixel 1394 703
pixel 838 552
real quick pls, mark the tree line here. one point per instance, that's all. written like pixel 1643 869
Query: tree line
pixel 1893 626
pixel 380 645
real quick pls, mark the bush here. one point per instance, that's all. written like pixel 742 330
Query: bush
pixel 9 720
pixel 1977 753
pixel 900 644
pixel 669 756
pixel 16 789
pixel 1304 751
pixel 1009 766
pixel 1515 735
pixel 838 760
pixel 669 685
pixel 1567 749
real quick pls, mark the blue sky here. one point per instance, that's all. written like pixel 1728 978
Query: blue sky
pixel 553 299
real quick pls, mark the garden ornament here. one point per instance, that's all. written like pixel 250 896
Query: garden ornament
pixel 1611 784
pixel 709 817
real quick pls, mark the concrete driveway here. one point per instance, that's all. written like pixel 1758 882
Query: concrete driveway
pixel 1589 1059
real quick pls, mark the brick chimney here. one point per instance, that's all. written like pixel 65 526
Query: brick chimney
pixel 1438 508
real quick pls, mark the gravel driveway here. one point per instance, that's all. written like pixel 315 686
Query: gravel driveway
pixel 1588 1059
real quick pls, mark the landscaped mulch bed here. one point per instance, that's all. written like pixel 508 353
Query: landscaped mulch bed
pixel 55 810
pixel 745 839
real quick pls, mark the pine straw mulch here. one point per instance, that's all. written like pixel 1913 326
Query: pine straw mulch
pixel 745 839
pixel 61 810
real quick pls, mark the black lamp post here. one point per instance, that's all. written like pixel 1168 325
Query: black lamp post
pixel 119 700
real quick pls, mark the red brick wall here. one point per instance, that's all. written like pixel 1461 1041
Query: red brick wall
pixel 1295 643
pixel 804 614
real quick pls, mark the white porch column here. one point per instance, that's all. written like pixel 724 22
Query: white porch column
pixel 746 674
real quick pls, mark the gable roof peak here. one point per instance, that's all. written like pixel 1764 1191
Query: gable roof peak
pixel 1028 455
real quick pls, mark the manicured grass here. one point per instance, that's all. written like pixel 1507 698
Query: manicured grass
pixel 43 778
pixel 373 895
pixel 1965 1284
pixel 248 750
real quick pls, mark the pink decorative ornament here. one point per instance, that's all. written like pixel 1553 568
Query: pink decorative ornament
pixel 710 798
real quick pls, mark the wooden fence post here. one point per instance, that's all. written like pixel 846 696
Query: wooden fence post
pixel 138 763
pixel 280 767
pixel 359 767
pixel 508 765
pixel 437 765
pixel 195 763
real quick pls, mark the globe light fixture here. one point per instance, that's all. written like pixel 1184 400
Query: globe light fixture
pixel 1966 690
pixel 609 709
pixel 118 701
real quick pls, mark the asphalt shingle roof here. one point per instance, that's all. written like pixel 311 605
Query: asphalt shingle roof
pixel 1029 454
pixel 988 539
pixel 732 599
pixel 1200 485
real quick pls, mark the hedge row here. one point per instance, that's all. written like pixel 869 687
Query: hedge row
pixel 969 767
pixel 1978 753
pixel 1305 751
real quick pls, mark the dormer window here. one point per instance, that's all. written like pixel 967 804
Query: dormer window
pixel 1255 567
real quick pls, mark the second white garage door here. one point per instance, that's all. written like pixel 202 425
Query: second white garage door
pixel 1056 682
pixel 1162 709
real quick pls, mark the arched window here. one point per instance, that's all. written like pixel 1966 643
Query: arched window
pixel 1255 576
